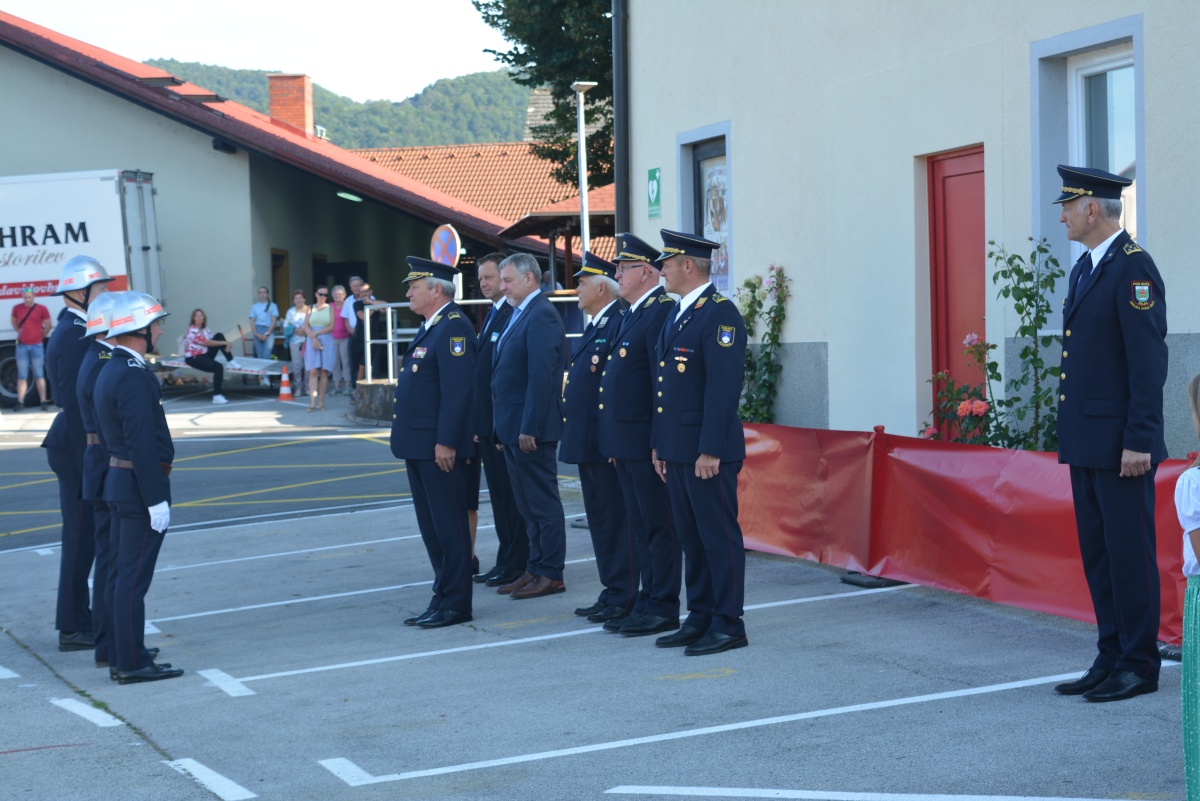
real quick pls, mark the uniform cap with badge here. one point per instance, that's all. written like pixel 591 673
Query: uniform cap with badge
pixel 1089 182
pixel 677 243
pixel 631 248
pixel 424 268
pixel 594 265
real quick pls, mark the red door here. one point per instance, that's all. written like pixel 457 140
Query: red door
pixel 957 259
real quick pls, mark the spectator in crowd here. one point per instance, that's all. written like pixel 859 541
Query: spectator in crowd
pixel 200 349
pixel 350 316
pixel 341 342
pixel 31 321
pixel 293 332
pixel 1187 507
pixel 263 316
pixel 548 283
pixel 318 351
pixel 359 344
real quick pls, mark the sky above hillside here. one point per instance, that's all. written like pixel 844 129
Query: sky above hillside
pixel 363 49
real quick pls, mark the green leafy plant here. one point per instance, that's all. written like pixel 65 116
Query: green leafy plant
pixel 763 301
pixel 1026 418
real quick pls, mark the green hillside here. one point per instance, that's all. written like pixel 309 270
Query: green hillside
pixel 483 107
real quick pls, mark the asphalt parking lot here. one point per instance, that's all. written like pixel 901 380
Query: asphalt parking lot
pixel 294 555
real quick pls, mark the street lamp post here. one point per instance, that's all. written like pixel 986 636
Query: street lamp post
pixel 580 87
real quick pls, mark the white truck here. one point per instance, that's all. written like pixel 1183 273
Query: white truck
pixel 45 220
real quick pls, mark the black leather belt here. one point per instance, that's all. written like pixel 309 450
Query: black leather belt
pixel 125 464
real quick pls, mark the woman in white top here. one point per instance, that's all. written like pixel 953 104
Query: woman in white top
pixel 263 316
pixel 1187 506
pixel 293 323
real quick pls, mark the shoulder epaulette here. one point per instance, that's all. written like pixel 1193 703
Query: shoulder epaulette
pixel 666 299
pixel 1132 248
pixel 453 316
pixel 105 354
pixel 719 298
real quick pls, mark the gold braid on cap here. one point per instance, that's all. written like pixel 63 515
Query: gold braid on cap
pixel 415 275
pixel 1075 191
pixel 591 270
pixel 674 251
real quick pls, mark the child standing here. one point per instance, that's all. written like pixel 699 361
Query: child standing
pixel 1187 505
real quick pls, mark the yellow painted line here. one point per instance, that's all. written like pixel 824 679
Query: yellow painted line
pixel 534 620
pixel 33 512
pixel 372 438
pixel 290 486
pixel 715 673
pixel 28 530
pixel 29 473
pixel 293 500
pixel 30 483
pixel 243 450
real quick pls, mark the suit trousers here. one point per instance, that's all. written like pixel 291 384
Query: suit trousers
pixel 659 556
pixel 513 552
pixel 137 547
pixel 102 580
pixel 612 535
pixel 704 513
pixel 534 479
pixel 440 501
pixel 78 544
pixel 1115 517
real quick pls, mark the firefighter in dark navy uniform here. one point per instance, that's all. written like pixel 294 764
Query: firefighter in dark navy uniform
pixel 699 444
pixel 431 431
pixel 627 380
pixel 82 279
pixel 133 427
pixel 1110 430
pixel 612 538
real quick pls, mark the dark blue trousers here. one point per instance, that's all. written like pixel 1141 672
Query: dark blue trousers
pixel 704 513
pixel 440 500
pixel 78 544
pixel 534 478
pixel 612 534
pixel 137 547
pixel 659 556
pixel 1115 517
pixel 513 552
pixel 103 580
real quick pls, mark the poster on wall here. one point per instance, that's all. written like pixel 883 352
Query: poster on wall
pixel 714 183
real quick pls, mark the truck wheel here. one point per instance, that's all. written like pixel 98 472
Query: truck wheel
pixel 8 375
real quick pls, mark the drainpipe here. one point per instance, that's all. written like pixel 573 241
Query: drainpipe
pixel 620 22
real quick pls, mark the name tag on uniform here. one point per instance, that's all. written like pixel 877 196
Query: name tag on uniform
pixel 495 336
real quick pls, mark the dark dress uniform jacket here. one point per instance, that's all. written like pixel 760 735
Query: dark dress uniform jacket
pixel 95 457
pixel 627 377
pixel 481 410
pixel 581 396
pixel 1114 360
pixel 433 389
pixel 701 367
pixel 527 374
pixel 64 355
pixel 131 419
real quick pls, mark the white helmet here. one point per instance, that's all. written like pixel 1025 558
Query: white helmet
pixel 133 312
pixel 100 314
pixel 80 273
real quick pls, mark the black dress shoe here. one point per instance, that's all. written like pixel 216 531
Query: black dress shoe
pixel 76 641
pixel 482 577
pixel 649 624
pixel 714 643
pixel 1120 685
pixel 504 577
pixel 609 613
pixel 585 611
pixel 474 565
pixel 616 623
pixel 685 636
pixel 152 673
pixel 444 617
pixel 1088 681
pixel 415 619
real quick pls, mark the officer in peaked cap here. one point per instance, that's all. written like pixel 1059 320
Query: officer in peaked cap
pixel 133 427
pixel 699 445
pixel 1110 429
pixel 82 279
pixel 625 418
pixel 599 297
pixel 431 431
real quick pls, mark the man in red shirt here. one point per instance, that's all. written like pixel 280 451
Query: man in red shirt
pixel 31 321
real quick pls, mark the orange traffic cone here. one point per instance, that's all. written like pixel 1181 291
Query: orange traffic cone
pixel 285 387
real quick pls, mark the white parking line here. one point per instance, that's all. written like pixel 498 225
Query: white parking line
pixel 290 602
pixel 285 553
pixel 825 795
pixel 354 776
pixel 87 712
pixel 5 673
pixel 210 780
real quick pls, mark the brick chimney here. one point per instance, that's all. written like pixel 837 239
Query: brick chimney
pixel 291 101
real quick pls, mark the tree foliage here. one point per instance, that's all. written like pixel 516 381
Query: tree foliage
pixel 555 43
pixel 483 107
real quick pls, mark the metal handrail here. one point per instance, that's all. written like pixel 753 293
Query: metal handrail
pixel 392 338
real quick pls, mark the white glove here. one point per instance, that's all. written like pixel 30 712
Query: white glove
pixel 160 516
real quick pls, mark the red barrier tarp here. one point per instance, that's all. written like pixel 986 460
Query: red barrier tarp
pixel 988 522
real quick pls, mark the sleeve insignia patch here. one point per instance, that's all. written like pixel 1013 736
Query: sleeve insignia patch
pixel 1143 295
pixel 458 345
pixel 1132 248
pixel 725 335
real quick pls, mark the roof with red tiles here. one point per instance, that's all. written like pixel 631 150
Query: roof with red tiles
pixel 244 127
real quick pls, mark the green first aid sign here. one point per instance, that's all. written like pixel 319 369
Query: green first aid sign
pixel 654 193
